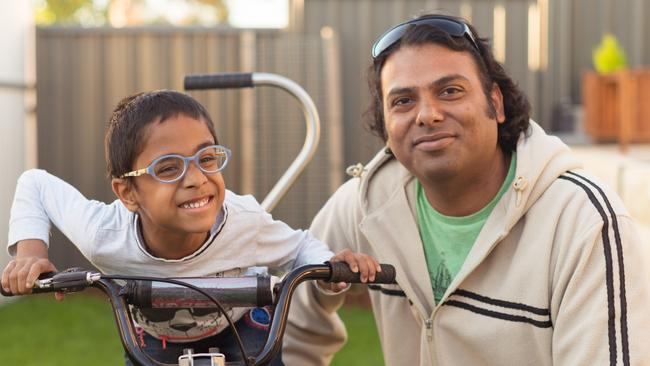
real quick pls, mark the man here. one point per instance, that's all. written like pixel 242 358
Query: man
pixel 505 254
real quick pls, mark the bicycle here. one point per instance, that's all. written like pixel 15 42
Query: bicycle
pixel 157 292
pixel 256 291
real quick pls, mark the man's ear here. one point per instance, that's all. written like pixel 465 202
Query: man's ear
pixel 497 102
pixel 125 191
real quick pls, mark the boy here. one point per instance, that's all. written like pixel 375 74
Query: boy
pixel 173 217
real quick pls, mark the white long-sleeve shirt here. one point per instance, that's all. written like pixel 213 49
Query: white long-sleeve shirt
pixel 244 236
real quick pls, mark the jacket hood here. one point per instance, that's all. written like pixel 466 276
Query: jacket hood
pixel 540 160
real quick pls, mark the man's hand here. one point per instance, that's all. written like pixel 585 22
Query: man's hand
pixel 31 260
pixel 360 263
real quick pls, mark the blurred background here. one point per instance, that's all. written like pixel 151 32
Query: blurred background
pixel 68 62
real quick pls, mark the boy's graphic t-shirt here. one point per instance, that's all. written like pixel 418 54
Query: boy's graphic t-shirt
pixel 448 239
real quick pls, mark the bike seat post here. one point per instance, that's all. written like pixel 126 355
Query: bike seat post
pixel 212 358
pixel 186 361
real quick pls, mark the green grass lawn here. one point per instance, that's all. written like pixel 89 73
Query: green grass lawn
pixel 37 330
pixel 362 348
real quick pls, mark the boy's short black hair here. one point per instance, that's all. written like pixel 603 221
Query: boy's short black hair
pixel 125 133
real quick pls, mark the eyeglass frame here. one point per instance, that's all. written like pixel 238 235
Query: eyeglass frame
pixel 433 20
pixel 186 161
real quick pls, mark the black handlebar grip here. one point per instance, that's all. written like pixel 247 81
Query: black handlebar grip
pixel 35 290
pixel 341 272
pixel 226 80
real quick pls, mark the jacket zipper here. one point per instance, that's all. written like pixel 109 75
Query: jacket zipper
pixel 429 324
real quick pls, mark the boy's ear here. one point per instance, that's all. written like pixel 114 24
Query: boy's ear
pixel 125 191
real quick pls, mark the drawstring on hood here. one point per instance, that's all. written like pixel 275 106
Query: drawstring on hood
pixel 355 171
pixel 520 184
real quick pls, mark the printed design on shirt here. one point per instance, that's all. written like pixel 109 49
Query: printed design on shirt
pixel 441 280
pixel 182 324
pixel 614 259
pixel 499 309
pixel 258 318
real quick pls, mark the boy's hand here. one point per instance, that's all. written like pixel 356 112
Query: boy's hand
pixel 31 260
pixel 360 263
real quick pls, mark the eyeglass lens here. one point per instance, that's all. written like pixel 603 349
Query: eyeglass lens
pixel 452 27
pixel 210 160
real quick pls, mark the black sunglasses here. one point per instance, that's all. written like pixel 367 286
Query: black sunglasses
pixel 454 27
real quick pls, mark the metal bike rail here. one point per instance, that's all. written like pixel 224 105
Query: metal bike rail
pixel 312 120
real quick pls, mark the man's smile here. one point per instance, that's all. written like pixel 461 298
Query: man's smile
pixel 434 141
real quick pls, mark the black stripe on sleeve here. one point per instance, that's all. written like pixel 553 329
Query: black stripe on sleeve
pixel 387 291
pixel 621 270
pixel 498 315
pixel 501 303
pixel 609 276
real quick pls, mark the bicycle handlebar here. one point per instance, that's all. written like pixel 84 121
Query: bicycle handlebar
pixel 312 121
pixel 219 81
pixel 281 292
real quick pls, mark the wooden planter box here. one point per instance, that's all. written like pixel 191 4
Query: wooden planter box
pixel 617 106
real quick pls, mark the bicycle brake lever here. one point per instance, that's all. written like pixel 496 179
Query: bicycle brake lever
pixel 71 280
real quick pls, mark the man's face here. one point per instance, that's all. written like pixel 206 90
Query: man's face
pixel 436 113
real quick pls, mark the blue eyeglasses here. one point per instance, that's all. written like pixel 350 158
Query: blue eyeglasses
pixel 172 168
pixel 452 26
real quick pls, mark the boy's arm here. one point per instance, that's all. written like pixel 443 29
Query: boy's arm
pixel 31 260
pixel 282 247
pixel 42 198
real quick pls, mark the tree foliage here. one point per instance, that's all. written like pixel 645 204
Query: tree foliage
pixel 97 12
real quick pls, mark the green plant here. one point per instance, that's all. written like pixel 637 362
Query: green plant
pixel 609 55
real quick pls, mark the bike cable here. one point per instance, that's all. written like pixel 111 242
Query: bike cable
pixel 240 344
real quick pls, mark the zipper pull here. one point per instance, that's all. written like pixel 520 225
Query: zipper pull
pixel 519 185
pixel 429 324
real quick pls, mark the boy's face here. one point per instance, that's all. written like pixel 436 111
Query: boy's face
pixel 188 206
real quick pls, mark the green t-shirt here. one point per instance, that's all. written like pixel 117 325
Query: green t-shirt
pixel 448 239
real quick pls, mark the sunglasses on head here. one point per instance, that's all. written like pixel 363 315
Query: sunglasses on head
pixel 452 26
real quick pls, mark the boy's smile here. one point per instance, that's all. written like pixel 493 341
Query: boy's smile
pixel 196 204
pixel 175 217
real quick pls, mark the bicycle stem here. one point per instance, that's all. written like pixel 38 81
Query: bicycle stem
pixel 293 279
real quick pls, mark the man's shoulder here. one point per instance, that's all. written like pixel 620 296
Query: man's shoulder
pixel 373 182
pixel 580 188
pixel 383 166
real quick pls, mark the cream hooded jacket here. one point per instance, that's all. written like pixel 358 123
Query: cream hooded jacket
pixel 555 277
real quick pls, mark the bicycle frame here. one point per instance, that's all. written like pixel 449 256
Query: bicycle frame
pixel 279 295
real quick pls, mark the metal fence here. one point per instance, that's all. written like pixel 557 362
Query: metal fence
pixel 82 73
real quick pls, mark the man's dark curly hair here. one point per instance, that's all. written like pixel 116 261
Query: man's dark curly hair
pixel 125 135
pixel 515 102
